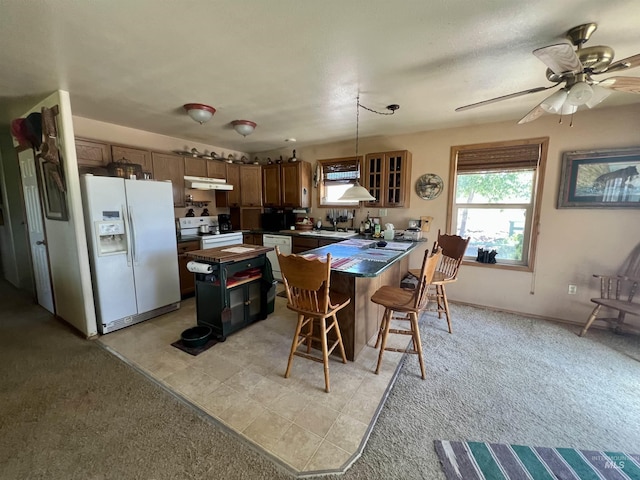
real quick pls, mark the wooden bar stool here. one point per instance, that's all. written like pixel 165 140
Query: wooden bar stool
pixel 453 248
pixel 408 302
pixel 307 285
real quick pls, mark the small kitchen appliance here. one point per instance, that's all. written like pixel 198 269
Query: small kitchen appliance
pixel 224 221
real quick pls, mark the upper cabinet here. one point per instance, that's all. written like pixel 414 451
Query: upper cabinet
pixel 387 176
pixel 91 153
pixel 170 167
pixel 195 167
pixel 271 185
pixel 296 184
pixel 287 184
pixel 132 155
pixel 216 169
pixel 251 186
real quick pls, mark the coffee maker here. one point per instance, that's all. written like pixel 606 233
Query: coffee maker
pixel 224 222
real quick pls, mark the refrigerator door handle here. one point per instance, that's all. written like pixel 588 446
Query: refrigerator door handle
pixel 133 236
pixel 127 232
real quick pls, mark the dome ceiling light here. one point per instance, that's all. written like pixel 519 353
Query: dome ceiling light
pixel 244 127
pixel 200 112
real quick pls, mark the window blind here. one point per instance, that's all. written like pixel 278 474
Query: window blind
pixel 340 171
pixel 498 158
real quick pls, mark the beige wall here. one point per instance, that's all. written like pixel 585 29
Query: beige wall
pixel 573 243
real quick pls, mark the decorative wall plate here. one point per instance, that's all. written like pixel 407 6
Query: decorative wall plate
pixel 429 186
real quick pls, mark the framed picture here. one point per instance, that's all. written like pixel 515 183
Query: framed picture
pixel 600 179
pixel 54 197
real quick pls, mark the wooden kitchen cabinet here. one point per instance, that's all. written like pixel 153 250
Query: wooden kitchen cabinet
pixel 252 238
pixel 187 279
pixel 271 185
pixel 91 153
pixel 296 184
pixel 216 169
pixel 302 244
pixel 230 198
pixel 387 176
pixel 195 167
pixel 251 186
pixel 139 156
pixel 170 167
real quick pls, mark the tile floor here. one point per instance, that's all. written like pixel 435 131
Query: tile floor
pixel 240 384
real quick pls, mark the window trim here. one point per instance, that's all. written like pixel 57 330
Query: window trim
pixel 320 189
pixel 539 176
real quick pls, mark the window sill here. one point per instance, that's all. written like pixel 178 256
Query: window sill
pixel 499 266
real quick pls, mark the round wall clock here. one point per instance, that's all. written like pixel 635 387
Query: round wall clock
pixel 429 186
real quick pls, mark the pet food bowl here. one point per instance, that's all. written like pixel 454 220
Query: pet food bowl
pixel 196 336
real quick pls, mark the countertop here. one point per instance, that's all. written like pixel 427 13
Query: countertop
pixel 362 258
pixel 325 234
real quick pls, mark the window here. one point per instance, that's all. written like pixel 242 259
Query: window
pixel 335 176
pixel 494 197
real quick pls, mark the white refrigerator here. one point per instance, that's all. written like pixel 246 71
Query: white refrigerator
pixel 133 253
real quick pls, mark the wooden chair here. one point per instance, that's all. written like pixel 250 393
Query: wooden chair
pixel 408 302
pixel 617 292
pixel 307 285
pixel 453 248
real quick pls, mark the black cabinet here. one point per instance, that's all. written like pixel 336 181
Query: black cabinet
pixel 232 296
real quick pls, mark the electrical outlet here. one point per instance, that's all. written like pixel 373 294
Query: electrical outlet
pixel 573 289
pixel 382 212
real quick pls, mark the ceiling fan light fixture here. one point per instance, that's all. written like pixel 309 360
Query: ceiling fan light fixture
pixel 599 94
pixel 244 127
pixel 199 112
pixel 579 94
pixel 568 109
pixel 554 103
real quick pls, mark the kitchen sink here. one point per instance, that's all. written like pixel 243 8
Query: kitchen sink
pixel 329 233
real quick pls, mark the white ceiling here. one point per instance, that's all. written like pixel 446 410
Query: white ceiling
pixel 293 66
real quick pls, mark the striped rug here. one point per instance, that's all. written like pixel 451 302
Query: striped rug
pixel 495 461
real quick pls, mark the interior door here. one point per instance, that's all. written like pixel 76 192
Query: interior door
pixel 37 238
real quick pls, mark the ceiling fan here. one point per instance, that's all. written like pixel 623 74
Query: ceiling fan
pixel 575 69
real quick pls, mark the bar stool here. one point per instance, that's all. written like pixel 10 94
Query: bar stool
pixel 408 302
pixel 307 282
pixel 453 248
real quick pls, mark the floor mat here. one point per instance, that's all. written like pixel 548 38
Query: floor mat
pixel 478 460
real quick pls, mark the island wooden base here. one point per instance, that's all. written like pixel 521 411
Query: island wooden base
pixel 360 320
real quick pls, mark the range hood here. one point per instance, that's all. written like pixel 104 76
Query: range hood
pixel 204 183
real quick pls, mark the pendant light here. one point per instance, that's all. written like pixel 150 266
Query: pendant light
pixel 357 193
pixel 199 112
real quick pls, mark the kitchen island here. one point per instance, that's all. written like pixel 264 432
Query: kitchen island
pixel 357 270
pixel 232 286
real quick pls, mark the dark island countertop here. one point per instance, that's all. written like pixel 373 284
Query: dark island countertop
pixel 362 257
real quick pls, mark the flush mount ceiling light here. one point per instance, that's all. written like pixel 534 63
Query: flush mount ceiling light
pixel 200 112
pixel 358 193
pixel 244 127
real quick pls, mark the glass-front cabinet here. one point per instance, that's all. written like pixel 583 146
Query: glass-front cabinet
pixel 387 176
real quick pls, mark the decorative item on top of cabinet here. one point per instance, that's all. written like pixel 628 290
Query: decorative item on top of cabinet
pixel 91 153
pixel 251 186
pixel 170 167
pixel 386 176
pixel 133 155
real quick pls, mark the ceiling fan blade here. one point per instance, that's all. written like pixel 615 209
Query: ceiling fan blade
pixel 624 64
pixel 622 84
pixel 535 113
pixel 505 97
pixel 560 58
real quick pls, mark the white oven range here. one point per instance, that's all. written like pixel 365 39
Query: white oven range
pixel 213 238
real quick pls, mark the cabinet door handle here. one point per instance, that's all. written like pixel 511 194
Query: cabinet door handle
pixel 248 302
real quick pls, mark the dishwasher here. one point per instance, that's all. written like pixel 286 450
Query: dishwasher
pixel 283 242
